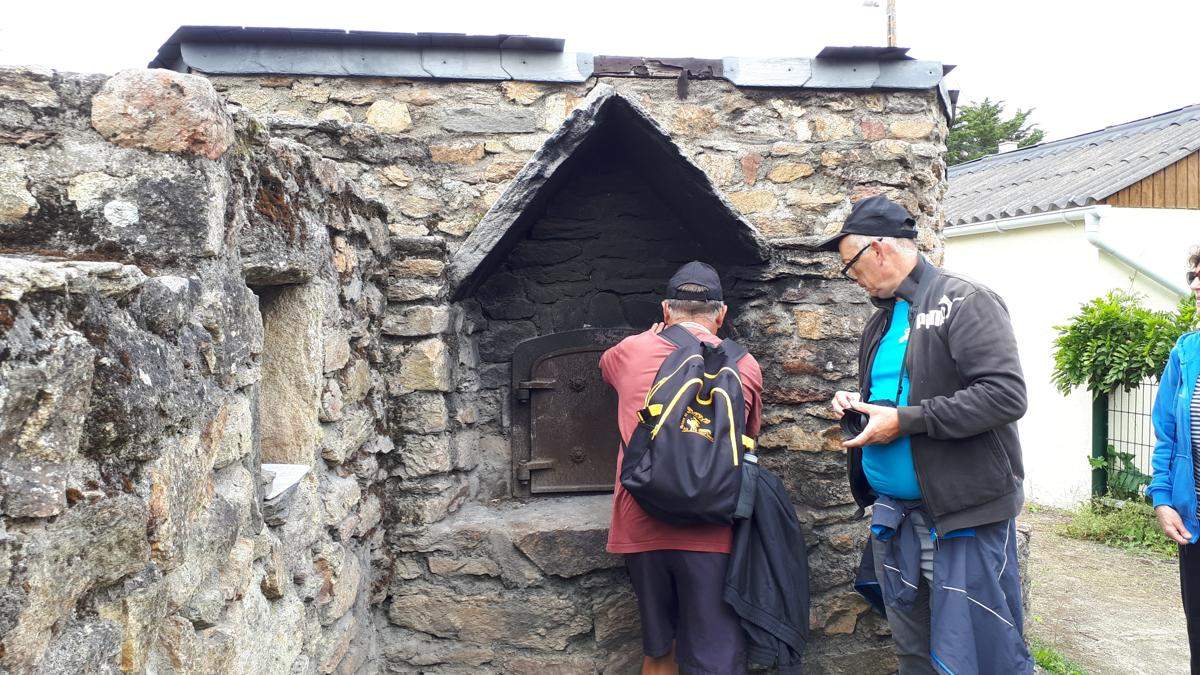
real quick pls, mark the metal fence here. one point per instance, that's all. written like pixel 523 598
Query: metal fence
pixel 1124 435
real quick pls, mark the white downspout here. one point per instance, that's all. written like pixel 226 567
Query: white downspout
pixel 1091 229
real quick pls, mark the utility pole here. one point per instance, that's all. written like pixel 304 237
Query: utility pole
pixel 891 19
pixel 891 23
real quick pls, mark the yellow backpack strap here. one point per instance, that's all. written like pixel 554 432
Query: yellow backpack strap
pixel 650 413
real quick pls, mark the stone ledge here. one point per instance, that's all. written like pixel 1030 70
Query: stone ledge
pixel 35 274
pixel 551 584
pixel 562 536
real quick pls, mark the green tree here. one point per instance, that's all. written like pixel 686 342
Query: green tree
pixel 979 129
pixel 1115 342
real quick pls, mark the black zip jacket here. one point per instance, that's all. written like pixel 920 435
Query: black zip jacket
pixel 766 582
pixel 967 393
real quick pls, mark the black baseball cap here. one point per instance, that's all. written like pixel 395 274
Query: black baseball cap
pixel 700 274
pixel 875 216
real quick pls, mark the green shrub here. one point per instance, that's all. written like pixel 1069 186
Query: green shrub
pixel 1125 479
pixel 1125 524
pixel 1051 659
pixel 1115 343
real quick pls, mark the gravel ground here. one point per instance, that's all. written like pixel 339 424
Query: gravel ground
pixel 1107 610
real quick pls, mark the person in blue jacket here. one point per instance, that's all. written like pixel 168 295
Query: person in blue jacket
pixel 1176 463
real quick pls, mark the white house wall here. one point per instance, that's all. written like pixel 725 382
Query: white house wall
pixel 1045 273
pixel 1159 239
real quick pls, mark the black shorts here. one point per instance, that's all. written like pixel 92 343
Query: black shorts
pixel 679 598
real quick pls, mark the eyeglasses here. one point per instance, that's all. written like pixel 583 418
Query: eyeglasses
pixel 846 268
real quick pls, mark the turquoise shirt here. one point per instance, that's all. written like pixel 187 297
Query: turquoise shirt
pixel 889 468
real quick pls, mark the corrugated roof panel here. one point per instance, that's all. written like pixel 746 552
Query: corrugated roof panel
pixel 1071 172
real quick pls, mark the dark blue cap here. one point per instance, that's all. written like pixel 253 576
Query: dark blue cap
pixel 700 274
pixel 875 216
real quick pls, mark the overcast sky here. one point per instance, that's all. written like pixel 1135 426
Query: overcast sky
pixel 1082 65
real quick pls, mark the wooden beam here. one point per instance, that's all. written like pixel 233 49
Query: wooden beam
pixel 1181 195
pixel 1169 198
pixel 1181 191
pixel 1193 162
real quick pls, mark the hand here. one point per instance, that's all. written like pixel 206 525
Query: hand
pixel 658 328
pixel 1172 525
pixel 884 426
pixel 843 400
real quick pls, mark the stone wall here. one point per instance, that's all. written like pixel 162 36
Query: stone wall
pixel 182 298
pixel 790 161
pixel 287 299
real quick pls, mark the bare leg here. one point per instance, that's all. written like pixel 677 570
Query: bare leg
pixel 662 665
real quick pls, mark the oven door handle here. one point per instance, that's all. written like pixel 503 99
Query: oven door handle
pixel 525 386
pixel 533 465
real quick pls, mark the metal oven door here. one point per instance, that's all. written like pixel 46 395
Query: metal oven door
pixel 565 434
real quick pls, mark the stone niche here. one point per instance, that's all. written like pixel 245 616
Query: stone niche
pixel 586 237
pixel 289 396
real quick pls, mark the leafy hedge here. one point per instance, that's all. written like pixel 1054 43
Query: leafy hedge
pixel 1115 343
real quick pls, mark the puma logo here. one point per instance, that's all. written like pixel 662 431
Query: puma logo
pixel 937 317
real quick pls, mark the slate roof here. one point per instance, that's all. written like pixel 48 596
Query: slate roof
pixel 1072 172
pixel 169 53
pixel 233 50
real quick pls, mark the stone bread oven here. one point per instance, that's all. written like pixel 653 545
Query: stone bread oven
pixel 398 281
pixel 574 256
pixel 571 258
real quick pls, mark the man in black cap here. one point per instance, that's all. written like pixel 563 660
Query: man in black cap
pixel 935 450
pixel 678 572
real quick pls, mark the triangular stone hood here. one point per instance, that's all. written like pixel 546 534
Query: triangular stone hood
pixel 721 230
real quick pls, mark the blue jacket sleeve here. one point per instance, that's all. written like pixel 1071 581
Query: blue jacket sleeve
pixel 1163 416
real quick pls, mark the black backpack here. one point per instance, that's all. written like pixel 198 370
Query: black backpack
pixel 684 461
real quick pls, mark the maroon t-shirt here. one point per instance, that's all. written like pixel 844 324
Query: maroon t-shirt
pixel 630 367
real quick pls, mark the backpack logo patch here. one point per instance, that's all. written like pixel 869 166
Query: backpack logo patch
pixel 693 422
